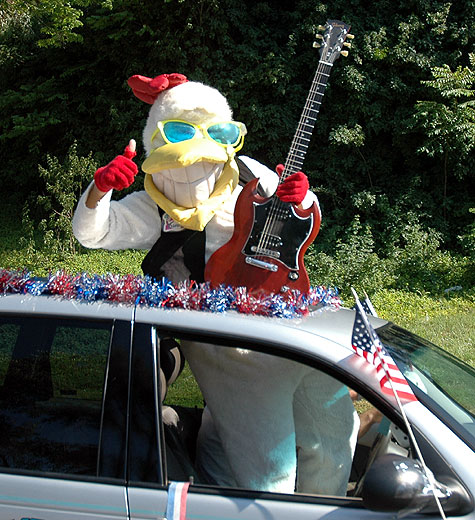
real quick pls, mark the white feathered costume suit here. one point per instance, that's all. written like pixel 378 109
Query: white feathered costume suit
pixel 259 408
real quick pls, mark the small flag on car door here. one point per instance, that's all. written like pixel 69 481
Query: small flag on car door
pixel 176 506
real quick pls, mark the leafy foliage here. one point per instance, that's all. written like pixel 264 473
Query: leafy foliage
pixel 57 20
pixel 467 239
pixel 412 262
pixel 375 161
pixel 449 123
pixel 64 183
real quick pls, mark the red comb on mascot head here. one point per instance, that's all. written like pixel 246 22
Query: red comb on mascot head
pixel 147 89
pixel 183 215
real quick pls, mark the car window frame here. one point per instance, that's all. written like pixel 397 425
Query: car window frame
pixel 118 369
pixel 266 347
pixel 114 327
pixel 144 345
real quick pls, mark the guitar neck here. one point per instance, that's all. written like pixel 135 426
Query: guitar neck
pixel 303 134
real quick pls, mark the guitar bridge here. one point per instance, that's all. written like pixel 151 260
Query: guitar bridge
pixel 261 264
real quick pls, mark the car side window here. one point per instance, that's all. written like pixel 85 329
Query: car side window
pixel 270 424
pixel 52 375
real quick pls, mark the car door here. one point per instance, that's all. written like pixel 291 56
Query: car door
pixel 63 408
pixel 161 452
pixel 151 492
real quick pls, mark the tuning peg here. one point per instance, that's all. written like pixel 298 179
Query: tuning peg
pixel 321 27
pixel 316 45
pixel 344 53
pixel 347 44
pixel 350 36
pixel 319 36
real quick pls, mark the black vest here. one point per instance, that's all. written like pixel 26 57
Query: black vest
pixel 191 242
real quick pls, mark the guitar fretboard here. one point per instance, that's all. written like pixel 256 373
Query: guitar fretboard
pixel 308 118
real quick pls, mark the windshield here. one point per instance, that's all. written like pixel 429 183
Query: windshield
pixel 447 384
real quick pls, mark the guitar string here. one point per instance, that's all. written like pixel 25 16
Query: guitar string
pixel 306 124
pixel 276 208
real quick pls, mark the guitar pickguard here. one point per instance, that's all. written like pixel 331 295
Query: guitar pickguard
pixel 280 241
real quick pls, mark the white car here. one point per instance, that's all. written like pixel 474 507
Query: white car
pixel 82 436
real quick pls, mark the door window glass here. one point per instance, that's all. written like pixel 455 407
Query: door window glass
pixel 8 334
pixel 52 378
pixel 269 424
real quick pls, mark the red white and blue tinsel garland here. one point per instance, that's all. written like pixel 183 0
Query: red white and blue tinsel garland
pixel 138 290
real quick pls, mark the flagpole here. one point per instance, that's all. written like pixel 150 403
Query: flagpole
pixel 370 305
pixel 428 473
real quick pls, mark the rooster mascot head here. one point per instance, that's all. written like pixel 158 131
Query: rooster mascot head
pixel 190 139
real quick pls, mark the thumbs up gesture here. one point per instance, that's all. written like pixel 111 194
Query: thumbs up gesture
pixel 119 173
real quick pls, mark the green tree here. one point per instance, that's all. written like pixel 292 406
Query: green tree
pixel 64 183
pixel 260 55
pixel 57 21
pixel 448 122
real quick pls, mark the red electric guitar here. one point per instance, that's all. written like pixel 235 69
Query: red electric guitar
pixel 271 237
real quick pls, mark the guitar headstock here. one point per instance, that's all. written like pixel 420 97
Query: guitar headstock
pixel 333 40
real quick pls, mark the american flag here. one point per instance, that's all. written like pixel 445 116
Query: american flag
pixel 366 343
pixel 368 306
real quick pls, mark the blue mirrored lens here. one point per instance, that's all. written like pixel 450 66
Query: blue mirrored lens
pixel 176 131
pixel 224 133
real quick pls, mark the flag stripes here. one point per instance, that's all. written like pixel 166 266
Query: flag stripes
pixel 176 506
pixel 366 343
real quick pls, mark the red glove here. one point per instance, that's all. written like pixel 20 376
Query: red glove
pixel 294 188
pixel 119 173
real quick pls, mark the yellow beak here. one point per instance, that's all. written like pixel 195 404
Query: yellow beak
pixel 185 153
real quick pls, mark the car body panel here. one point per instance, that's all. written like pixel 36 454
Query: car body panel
pixel 66 307
pixel 455 452
pixel 150 504
pixel 321 339
pixel 60 499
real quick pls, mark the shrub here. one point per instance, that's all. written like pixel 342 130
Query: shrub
pixel 467 239
pixel 354 262
pixel 412 261
pixel 63 185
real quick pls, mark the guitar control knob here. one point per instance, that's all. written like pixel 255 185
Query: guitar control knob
pixel 293 275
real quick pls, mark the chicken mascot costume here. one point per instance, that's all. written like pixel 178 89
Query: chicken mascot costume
pixel 269 424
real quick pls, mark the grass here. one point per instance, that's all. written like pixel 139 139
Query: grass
pixel 185 391
pixel 447 321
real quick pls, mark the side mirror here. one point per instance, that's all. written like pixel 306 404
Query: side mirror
pixel 394 483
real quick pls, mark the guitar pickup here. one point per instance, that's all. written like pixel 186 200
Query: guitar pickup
pixel 261 264
pixel 265 252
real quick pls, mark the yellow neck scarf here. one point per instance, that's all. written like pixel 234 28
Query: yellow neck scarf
pixel 186 153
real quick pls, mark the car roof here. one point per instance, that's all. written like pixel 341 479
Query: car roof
pixel 327 321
